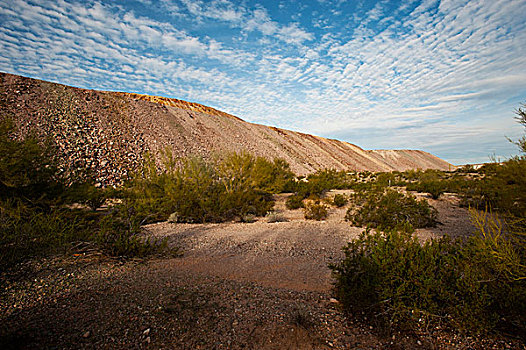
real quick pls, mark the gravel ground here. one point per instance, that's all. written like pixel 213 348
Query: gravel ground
pixel 237 285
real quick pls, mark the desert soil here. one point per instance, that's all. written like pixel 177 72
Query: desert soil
pixel 236 286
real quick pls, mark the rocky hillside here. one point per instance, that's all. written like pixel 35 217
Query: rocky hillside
pixel 108 132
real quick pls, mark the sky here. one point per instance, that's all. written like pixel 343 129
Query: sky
pixel 444 76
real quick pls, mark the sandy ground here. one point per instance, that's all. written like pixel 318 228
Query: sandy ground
pixel 293 254
pixel 237 286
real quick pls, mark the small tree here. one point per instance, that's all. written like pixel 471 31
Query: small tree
pixel 521 119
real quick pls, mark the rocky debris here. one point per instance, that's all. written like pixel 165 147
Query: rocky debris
pixel 106 134
pixel 91 135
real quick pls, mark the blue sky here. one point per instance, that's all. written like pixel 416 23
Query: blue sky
pixel 444 76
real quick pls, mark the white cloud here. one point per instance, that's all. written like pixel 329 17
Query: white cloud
pixel 248 20
pixel 292 34
pixel 443 66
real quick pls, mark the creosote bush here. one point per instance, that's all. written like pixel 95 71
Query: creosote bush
pixel 474 285
pixel 339 200
pixel 390 209
pixel 294 201
pixel 315 211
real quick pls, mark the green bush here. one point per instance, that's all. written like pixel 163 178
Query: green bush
pixel 472 285
pixel 390 209
pixel 318 183
pixel 315 211
pixel 394 278
pixel 502 188
pixel 85 193
pixel 26 165
pixel 29 232
pixel 194 190
pixel 120 235
pixel 294 201
pixel 339 200
pixel 270 176
pixel 434 187
pixel 35 219
pixel 389 179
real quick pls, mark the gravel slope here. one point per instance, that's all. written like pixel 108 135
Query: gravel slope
pixel 108 132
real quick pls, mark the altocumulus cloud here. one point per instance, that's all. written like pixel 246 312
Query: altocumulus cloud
pixel 443 76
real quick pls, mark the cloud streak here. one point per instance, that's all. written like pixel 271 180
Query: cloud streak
pixel 430 75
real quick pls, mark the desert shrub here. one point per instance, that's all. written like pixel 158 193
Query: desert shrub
pixel 318 183
pixel 248 218
pixel 472 285
pixel 437 182
pixel 294 201
pixel 26 165
pixel 466 169
pixel 274 217
pixel 194 190
pixel 34 217
pixel 394 278
pixel 271 176
pixel 120 235
pixel 434 187
pixel 29 232
pixel 389 179
pixel 244 169
pixel 390 209
pixel 315 211
pixel 367 181
pixel 339 200
pixel 328 179
pixel 28 172
pixel 502 187
pixel 412 174
pixel 31 224
pixel 85 193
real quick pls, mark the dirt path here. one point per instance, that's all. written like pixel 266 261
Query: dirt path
pixel 238 286
pixel 292 255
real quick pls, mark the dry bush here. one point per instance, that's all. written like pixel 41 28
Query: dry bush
pixel 315 211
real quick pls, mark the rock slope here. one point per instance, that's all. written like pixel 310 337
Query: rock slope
pixel 108 132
